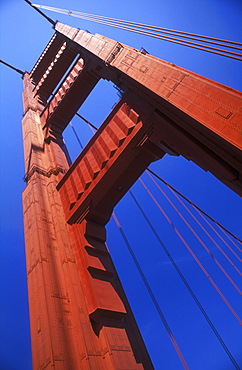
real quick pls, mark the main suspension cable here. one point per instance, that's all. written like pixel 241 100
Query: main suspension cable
pixel 172 39
pixel 159 35
pixel 188 34
pixel 148 30
pixel 162 30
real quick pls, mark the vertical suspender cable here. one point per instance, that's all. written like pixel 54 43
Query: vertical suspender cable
pixel 232 241
pixel 195 206
pixel 196 235
pixel 186 283
pixel 193 255
pixel 179 273
pixel 220 237
pixel 206 232
pixel 156 304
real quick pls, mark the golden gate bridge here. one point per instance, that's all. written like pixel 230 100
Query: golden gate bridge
pixel 216 239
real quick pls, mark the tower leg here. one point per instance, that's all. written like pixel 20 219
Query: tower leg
pixel 79 316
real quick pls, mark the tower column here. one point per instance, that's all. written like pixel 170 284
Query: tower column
pixel 79 316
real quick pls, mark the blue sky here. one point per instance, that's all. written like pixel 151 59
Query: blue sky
pixel 24 34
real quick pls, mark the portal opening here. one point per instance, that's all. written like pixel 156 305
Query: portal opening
pixel 95 109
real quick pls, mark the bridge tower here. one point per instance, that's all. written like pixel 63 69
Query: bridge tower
pixel 80 317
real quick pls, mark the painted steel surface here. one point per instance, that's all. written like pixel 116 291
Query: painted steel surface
pixel 80 317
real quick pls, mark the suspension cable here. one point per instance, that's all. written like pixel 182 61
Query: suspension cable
pixel 232 241
pixel 196 235
pixel 148 30
pixel 177 192
pixel 12 67
pixel 192 253
pixel 48 19
pixel 85 120
pixel 220 237
pixel 161 30
pixel 75 133
pixel 221 250
pixel 181 195
pixel 187 285
pixel 70 12
pixel 152 296
pixel 154 34
pixel 163 37
pixel 176 268
pixel 171 39
pixel 195 206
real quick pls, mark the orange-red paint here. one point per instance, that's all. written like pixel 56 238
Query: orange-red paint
pixel 80 317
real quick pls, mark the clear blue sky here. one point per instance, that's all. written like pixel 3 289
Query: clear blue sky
pixel 24 34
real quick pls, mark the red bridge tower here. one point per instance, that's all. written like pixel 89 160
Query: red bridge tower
pixel 80 317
